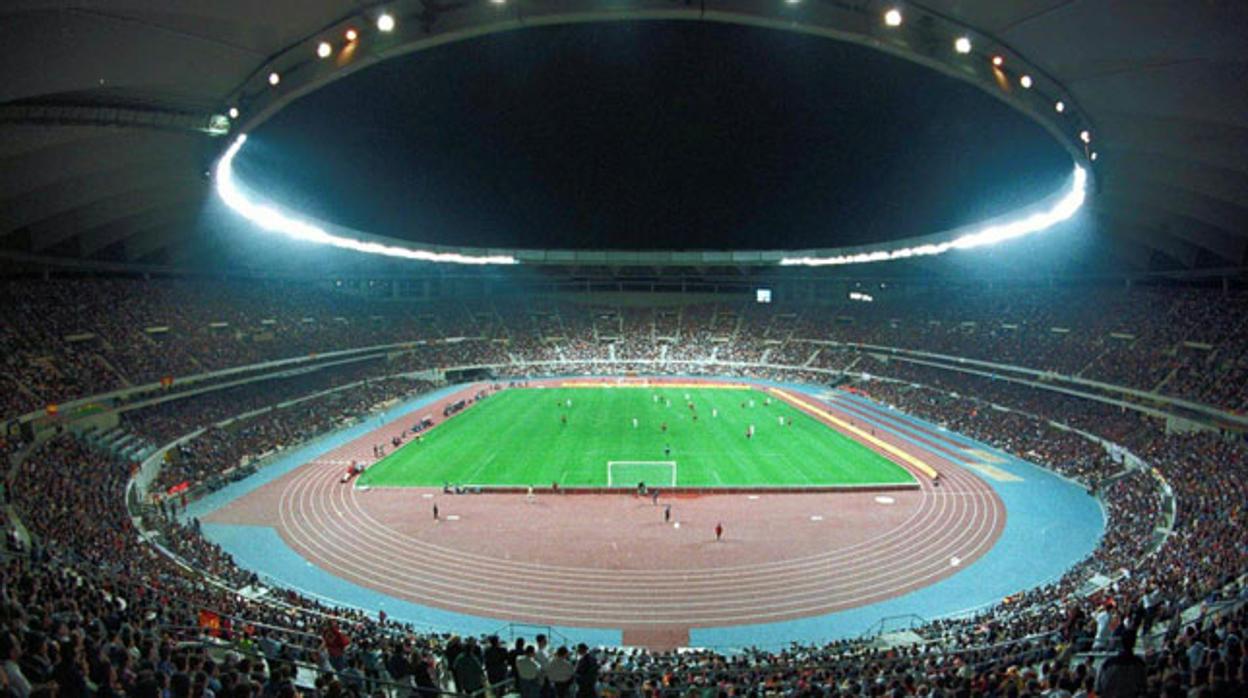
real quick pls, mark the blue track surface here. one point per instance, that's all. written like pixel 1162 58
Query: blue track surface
pixel 1052 524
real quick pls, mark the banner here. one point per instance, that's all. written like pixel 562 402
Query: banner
pixel 210 622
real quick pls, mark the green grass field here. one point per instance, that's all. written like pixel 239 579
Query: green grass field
pixel 518 438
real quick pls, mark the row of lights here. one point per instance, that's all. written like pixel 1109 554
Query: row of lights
pixel 385 24
pixel 962 45
pixel 892 18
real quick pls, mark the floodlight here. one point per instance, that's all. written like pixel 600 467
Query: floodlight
pixel 893 18
pixel 385 22
pixel 1025 81
pixel 1034 221
pixel 352 35
pixel 273 219
pixel 233 112
pixel 1060 106
pixel 962 45
pixel 274 79
pixel 323 49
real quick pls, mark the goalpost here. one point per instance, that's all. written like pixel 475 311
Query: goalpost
pixel 627 473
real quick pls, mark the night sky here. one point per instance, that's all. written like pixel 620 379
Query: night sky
pixel 651 135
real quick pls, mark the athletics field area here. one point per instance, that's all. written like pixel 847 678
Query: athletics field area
pixel 796 561
pixel 619 436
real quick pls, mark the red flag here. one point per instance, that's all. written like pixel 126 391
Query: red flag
pixel 211 622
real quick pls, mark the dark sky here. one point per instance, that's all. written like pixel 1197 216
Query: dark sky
pixel 676 135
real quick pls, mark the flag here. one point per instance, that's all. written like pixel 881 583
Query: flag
pixel 210 622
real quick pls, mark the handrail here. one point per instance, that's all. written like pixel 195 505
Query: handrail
pixel 1210 410
pixel 400 688
pixel 378 349
pixel 882 624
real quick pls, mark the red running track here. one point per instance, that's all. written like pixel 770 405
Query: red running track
pixel 610 560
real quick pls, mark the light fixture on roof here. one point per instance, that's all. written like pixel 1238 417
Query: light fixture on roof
pixel 1060 106
pixel 324 49
pixel 385 22
pixel 352 34
pixel 498 2
pixel 1093 156
pixel 1034 219
pixel 998 61
pixel 273 219
pixel 1025 81
pixel 233 112
pixel 274 78
pixel 962 45
pixel 1085 136
pixel 892 17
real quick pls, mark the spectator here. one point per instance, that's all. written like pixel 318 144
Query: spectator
pixel 1123 675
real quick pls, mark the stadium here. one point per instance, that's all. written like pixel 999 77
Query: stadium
pixel 641 348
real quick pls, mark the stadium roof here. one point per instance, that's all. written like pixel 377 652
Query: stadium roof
pixel 110 112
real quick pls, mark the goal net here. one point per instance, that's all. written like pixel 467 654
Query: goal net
pixel 627 473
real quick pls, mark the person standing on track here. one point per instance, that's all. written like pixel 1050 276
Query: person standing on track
pixel 719 532
pixel 667 513
pixel 435 511
pixel 586 672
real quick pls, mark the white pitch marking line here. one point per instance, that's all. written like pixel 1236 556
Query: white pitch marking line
pixel 427 495
pixel 885 500
pixel 453 517
pixel 366 515
pixel 752 496
pixel 816 518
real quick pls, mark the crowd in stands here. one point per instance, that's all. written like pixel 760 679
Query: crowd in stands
pixel 238 443
pixel 1024 648
pixel 89 608
pixel 65 339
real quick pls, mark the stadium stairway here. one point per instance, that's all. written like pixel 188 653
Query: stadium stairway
pixel 120 442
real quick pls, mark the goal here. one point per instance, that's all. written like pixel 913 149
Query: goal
pixel 627 473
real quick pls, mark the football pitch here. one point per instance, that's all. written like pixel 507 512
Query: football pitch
pixel 585 437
